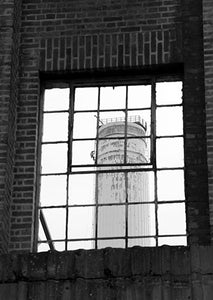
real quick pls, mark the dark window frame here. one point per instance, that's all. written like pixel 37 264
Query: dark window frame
pixel 112 81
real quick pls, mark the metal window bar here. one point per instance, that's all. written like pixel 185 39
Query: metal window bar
pixel 46 231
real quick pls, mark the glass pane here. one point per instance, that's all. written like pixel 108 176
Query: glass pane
pixel 169 121
pixel 83 152
pixel 82 189
pixel 170 185
pixel 169 93
pixel 55 127
pixel 81 222
pixel 139 96
pixel 81 245
pixel 172 218
pixel 111 188
pixel 85 125
pixel 86 98
pixel 148 242
pixel 110 151
pixel 112 117
pixel 113 97
pixel 56 99
pixel 111 221
pixel 53 190
pixel 43 247
pixel 141 220
pixel 170 152
pixel 137 152
pixel 140 186
pixel 173 241
pixel 55 220
pixel 111 243
pixel 141 118
pixel 59 246
pixel 54 158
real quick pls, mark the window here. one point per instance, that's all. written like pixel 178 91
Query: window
pixel 112 165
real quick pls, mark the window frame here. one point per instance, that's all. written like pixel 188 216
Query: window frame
pixel 72 84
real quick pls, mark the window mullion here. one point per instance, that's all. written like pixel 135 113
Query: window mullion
pixel 126 174
pixel 69 155
pixel 153 153
pixel 97 174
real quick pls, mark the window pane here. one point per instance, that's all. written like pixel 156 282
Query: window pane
pixel 86 98
pixel 169 93
pixel 172 218
pixel 141 118
pixel 56 99
pixel 53 190
pixel 81 222
pixel 170 152
pixel 169 121
pixel 137 152
pixel 43 247
pixel 83 152
pixel 110 151
pixel 111 243
pixel 112 117
pixel 111 221
pixel 170 185
pixel 173 241
pixel 82 189
pixel 55 127
pixel 81 245
pixel 139 96
pixel 85 125
pixel 113 97
pixel 59 246
pixel 54 158
pixel 140 186
pixel 146 242
pixel 56 228
pixel 111 188
pixel 141 220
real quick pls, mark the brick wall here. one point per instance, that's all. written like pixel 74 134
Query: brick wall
pixel 64 37
pixel 208 63
pixel 163 273
pixel 10 17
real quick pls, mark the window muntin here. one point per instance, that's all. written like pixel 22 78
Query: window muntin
pixel 76 163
